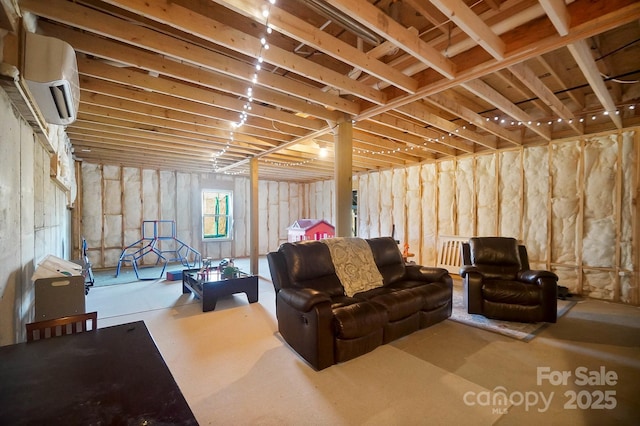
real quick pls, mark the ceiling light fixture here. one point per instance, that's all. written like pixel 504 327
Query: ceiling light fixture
pixel 323 149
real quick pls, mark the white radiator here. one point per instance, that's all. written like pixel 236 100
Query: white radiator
pixel 450 252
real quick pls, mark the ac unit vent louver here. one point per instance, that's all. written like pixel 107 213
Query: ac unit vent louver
pixel 61 97
pixel 51 73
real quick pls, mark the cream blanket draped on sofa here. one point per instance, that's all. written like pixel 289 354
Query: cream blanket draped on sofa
pixel 354 264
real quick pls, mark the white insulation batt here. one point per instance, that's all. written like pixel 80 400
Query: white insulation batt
pixel 599 233
pixel 565 201
pixel 510 190
pixel 535 202
pixel 92 210
pixel 446 187
pixel 116 201
pixel 487 195
pixel 465 196
pixel 572 203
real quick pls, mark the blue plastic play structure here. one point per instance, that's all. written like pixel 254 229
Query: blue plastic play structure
pixel 160 243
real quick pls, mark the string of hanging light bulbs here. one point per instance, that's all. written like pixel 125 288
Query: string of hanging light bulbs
pixel 246 108
pixel 503 120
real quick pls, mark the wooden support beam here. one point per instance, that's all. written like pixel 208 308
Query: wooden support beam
pixel 343 177
pixel 531 80
pixel 154 63
pixel 450 104
pixel 552 69
pixel 472 25
pixel 97 69
pixel 619 188
pixel 108 106
pixel 75 15
pixel 300 30
pixel 183 19
pixel 486 92
pixel 91 87
pixel 493 4
pixel 430 12
pixel 386 126
pixel 254 216
pixel 582 54
pixel 376 20
pixel 557 12
pixel 421 112
pixel 9 17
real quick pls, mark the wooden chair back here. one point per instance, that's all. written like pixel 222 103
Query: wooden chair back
pixel 62 326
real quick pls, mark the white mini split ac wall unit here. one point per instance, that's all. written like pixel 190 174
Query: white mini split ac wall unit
pixel 51 73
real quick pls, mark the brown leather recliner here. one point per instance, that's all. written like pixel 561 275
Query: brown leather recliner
pixel 499 284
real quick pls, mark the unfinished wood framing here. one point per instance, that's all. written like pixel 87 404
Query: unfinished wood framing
pixel 572 203
pixel 114 201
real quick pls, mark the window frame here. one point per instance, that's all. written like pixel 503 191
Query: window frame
pixel 228 215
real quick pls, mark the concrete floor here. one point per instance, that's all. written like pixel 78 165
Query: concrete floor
pixel 233 368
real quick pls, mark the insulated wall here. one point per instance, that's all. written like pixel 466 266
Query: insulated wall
pixel 573 204
pixel 114 202
pixel 35 218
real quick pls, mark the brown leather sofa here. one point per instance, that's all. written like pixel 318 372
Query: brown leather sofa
pixel 325 326
pixel 500 285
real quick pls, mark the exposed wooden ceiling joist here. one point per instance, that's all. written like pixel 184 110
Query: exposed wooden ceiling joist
pixel 170 79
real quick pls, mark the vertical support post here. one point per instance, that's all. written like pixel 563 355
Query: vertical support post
pixel 580 219
pixel 635 224
pixel 522 196
pixel 343 166
pixel 497 220
pixel 253 217
pixel 618 220
pixel 549 256
pixel 76 214
pixel 103 260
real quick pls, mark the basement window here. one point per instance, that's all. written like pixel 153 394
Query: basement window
pixel 217 214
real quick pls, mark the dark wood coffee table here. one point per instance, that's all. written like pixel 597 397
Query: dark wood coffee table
pixel 209 289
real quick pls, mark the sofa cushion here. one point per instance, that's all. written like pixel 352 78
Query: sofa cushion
pixel 358 319
pixel 339 301
pixel 309 265
pixel 398 303
pixel 495 257
pixel 511 292
pixel 434 294
pixel 388 258
pixel 354 264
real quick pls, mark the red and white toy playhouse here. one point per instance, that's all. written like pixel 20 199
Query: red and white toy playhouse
pixel 310 229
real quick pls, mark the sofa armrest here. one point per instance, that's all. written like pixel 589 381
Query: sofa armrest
pixel 425 273
pixel 472 281
pixel 468 269
pixel 305 322
pixel 548 283
pixel 279 271
pixel 302 299
pixel 532 276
